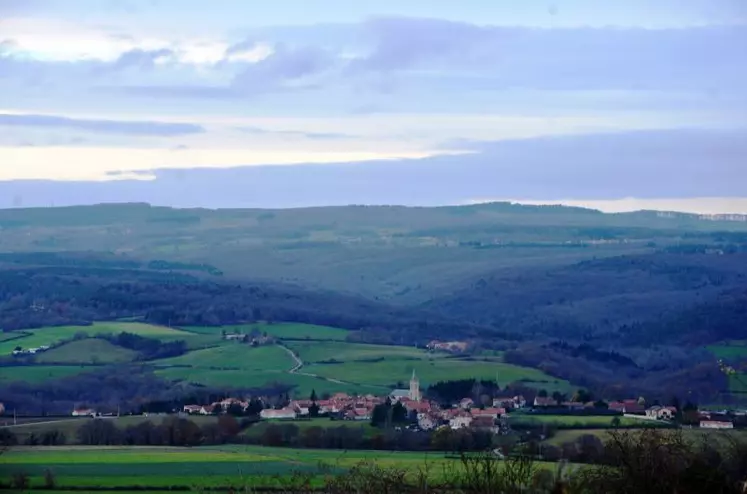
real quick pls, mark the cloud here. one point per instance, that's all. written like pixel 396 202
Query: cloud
pixel 652 164
pixel 489 57
pixel 285 66
pixel 296 133
pixel 132 128
pixel 142 59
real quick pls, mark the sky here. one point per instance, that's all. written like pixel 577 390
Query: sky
pixel 424 102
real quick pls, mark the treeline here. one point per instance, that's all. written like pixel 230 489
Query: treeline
pixel 128 388
pixel 147 348
pixel 75 295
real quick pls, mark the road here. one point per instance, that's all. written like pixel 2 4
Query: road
pixel 300 364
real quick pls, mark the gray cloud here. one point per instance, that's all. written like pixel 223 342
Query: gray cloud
pixel 101 126
pixel 577 58
pixel 285 65
pixel 650 164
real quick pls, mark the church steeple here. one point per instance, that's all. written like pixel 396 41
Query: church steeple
pixel 414 387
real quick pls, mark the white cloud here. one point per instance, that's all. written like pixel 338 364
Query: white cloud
pixel 53 40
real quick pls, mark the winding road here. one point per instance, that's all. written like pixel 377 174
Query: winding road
pixel 300 364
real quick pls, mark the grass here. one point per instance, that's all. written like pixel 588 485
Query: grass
pixel 204 466
pixel 579 421
pixel 284 330
pixel 234 356
pixel 53 335
pixel 258 429
pixel 346 352
pixel 39 373
pixel 88 351
pixel 729 350
pixel 430 371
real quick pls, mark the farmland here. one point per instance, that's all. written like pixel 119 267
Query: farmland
pixel 159 467
pixel 278 330
pixel 53 335
pixel 330 364
pixel 40 373
pixel 568 421
pixel 88 351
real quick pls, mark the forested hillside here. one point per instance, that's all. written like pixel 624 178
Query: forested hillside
pixel 609 301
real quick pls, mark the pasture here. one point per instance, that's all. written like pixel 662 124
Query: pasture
pixel 348 352
pixel 53 335
pixel 88 351
pixel 392 371
pixel 160 467
pixel 284 330
pixel 730 350
pixel 569 421
pixel 40 373
pixel 234 356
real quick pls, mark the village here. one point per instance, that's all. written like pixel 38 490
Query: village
pixel 428 415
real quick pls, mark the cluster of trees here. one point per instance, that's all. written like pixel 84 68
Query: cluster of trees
pixel 148 348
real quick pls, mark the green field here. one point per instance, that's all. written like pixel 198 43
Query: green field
pixel 429 371
pixel 285 330
pixel 729 350
pixel 53 335
pixel 256 430
pixel 234 356
pixel 347 352
pixel 40 373
pixel 88 351
pixel 580 421
pixel 201 467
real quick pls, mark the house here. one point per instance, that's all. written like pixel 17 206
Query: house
pixel 460 421
pixel 466 403
pixel 627 406
pixel 661 413
pixel 573 405
pixel 207 409
pixel 427 422
pixel 284 413
pixel 447 346
pixel 509 402
pixel 413 393
pixel 192 409
pixel 492 413
pixel 301 406
pixel 84 412
pixel 540 401
pixel 233 336
pixel 716 424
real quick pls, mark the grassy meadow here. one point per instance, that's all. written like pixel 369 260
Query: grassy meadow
pixel 40 373
pixel 53 335
pixel 580 421
pixel 88 351
pixel 283 330
pixel 160 467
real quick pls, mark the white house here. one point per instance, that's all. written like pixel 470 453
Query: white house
pixel 84 412
pixel 285 413
pixel 426 422
pixel 716 424
pixel 661 413
pixel 460 422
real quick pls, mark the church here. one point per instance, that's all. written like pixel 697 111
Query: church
pixel 412 394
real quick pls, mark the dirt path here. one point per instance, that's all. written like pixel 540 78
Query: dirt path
pixel 300 364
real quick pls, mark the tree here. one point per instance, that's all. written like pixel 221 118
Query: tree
pixel 313 396
pixel 99 432
pixel 313 410
pixel 542 393
pixel 228 425
pixel 235 410
pixel 582 396
pixel 615 422
pixel 399 414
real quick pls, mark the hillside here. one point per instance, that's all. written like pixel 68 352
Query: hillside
pixel 397 253
pixel 621 302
